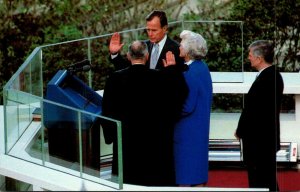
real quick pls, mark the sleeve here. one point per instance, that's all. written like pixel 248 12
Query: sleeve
pixel 192 98
pixel 119 62
pixel 109 105
pixel 175 90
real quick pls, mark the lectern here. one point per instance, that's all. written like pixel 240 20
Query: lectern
pixel 68 128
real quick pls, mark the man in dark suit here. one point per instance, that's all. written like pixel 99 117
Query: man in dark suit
pixel 156 27
pixel 259 126
pixel 136 97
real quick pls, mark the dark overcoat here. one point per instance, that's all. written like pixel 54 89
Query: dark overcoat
pixel 148 103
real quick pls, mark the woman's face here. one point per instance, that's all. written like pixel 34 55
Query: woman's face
pixel 182 52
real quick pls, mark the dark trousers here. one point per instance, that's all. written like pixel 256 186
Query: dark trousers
pixel 263 174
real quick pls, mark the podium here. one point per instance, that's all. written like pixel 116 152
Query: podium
pixel 68 128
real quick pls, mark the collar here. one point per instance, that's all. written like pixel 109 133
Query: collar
pixel 162 42
pixel 259 72
pixel 189 62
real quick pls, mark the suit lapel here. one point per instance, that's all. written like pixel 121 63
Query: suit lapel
pixel 163 52
pixel 150 46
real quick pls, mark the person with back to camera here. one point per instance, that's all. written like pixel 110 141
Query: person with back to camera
pixel 191 133
pixel 136 97
pixel 259 128
pixel 156 27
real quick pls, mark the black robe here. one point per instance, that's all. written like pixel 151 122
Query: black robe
pixel 148 103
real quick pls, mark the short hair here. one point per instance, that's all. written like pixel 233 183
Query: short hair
pixel 263 48
pixel 193 44
pixel 161 15
pixel 138 49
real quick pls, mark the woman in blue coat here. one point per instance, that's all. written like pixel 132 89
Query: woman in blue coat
pixel 191 136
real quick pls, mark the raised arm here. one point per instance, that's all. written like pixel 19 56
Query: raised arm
pixel 115 56
pixel 115 44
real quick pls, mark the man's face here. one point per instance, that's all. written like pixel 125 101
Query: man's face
pixel 254 60
pixel 155 31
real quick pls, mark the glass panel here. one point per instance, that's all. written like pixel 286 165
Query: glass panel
pixel 62 56
pixel 35 75
pixel 28 78
pixel 288 108
pixel 18 111
pixel 10 184
pixel 101 66
pixel 63 135
pixel 98 157
pixel 22 125
pixel 225 113
pixel 11 127
pixel 59 136
pixel 288 104
pixel 68 140
pixel 73 135
pixel 227 103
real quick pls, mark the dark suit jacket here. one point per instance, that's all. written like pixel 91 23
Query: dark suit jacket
pixel 170 45
pixel 148 105
pixel 259 126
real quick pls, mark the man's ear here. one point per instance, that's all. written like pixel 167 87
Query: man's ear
pixel 165 28
pixel 147 56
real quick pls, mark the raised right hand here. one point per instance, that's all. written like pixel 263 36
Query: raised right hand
pixel 115 44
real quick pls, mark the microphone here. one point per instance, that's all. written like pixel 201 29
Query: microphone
pixel 82 66
pixel 86 68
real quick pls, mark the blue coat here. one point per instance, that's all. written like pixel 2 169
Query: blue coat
pixel 191 134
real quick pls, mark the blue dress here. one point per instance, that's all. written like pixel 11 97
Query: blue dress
pixel 191 134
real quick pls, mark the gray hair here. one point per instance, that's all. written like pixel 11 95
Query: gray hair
pixel 194 44
pixel 264 49
pixel 138 49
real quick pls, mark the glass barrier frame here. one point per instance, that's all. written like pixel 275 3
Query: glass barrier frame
pixel 37 129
